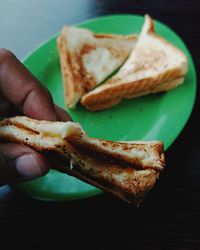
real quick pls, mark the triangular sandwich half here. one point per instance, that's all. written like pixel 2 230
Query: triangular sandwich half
pixel 87 59
pixel 127 170
pixel 155 65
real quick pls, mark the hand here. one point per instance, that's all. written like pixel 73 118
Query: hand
pixel 22 93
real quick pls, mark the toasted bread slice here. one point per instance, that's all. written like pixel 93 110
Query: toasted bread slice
pixel 90 101
pixel 155 65
pixel 87 59
pixel 125 169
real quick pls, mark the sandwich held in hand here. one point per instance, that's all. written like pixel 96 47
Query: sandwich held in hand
pixel 127 170
pixel 87 59
pixel 155 65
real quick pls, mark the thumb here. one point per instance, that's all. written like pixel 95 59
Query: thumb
pixel 19 162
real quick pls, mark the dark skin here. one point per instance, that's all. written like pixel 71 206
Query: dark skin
pixel 21 93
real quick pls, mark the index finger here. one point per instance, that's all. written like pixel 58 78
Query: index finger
pixel 21 88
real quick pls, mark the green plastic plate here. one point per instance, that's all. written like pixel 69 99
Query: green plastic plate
pixel 153 117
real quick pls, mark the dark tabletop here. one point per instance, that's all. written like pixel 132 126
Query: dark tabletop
pixel 170 216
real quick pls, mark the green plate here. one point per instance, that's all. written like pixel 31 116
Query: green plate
pixel 153 117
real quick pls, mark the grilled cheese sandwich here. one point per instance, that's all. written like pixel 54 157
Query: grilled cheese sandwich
pixel 126 169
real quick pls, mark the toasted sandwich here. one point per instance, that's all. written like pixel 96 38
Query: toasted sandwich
pixel 127 170
pixel 155 65
pixel 87 59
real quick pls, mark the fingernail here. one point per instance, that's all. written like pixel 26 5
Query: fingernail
pixel 28 166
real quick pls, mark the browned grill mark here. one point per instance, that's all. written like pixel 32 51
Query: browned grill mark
pixel 105 156
pixel 20 126
pixel 131 37
pixel 71 70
